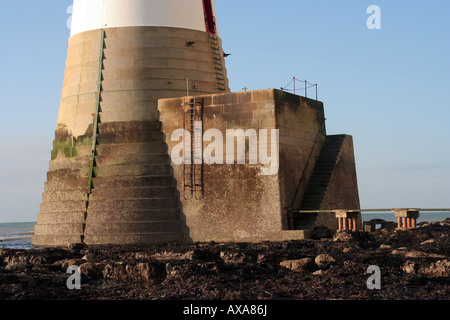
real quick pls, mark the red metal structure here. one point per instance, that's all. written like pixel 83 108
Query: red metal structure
pixel 210 20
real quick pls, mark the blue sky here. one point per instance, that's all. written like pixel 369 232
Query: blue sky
pixel 387 88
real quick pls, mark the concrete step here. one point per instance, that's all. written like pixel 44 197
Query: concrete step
pixel 129 126
pixel 65 195
pixel 70 184
pixel 130 204
pixel 55 240
pixel 124 149
pixel 61 217
pixel 134 215
pixel 67 162
pixel 133 181
pixel 132 193
pixel 68 174
pixel 130 136
pixel 134 159
pixel 143 238
pixel 132 227
pixel 132 170
pixel 63 206
pixel 59 229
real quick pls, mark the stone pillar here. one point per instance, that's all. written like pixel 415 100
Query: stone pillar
pixel 347 220
pixel 407 218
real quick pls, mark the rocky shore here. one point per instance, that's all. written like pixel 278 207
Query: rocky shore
pixel 414 265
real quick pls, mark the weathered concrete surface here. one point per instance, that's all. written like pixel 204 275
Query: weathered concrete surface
pixel 134 199
pixel 239 203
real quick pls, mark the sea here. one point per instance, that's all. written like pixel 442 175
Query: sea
pixel 17 235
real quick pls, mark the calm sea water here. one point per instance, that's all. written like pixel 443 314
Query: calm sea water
pixel 390 216
pixel 18 235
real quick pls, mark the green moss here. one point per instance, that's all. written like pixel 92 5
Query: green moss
pixel 233 125
pixel 64 145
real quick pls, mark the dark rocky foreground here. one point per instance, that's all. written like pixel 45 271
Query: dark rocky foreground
pixel 414 264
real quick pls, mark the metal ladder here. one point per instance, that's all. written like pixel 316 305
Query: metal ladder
pixel 193 168
pixel 218 66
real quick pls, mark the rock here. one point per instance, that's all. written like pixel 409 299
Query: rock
pixel 324 260
pixel 300 265
pixel 343 236
pixel 438 269
pixel 16 263
pixel 420 254
pixel 16 266
pixel 72 262
pixel 320 232
pixel 89 257
pixel 409 267
pixel 269 259
pixel 131 271
pixel 76 246
pixel 167 256
pixel 428 242
pixel 318 273
pixel 357 236
pixel 385 247
pixel 92 270
pixel 237 257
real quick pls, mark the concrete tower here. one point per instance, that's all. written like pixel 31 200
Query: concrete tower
pixel 110 178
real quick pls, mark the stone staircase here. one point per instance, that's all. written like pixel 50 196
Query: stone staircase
pixel 319 182
pixel 134 198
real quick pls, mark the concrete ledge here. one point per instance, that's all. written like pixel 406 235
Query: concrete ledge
pixel 288 235
pixel 131 227
pixel 55 240
pixel 144 238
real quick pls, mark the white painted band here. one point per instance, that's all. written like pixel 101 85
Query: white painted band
pixel 96 14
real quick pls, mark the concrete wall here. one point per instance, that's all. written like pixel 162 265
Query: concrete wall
pixel 239 203
pixel 140 66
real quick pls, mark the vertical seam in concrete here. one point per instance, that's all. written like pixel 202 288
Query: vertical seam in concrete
pixel 95 127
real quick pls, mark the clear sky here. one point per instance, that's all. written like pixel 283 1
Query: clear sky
pixel 388 88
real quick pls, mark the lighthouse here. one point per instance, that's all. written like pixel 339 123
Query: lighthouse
pixel 110 179
pixel 152 147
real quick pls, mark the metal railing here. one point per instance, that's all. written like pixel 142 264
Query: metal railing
pixel 305 85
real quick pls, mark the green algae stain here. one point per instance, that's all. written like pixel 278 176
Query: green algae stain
pixel 66 147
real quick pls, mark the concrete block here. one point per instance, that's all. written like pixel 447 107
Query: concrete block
pixel 130 227
pixel 132 181
pixel 132 204
pixel 61 217
pixel 63 206
pixel 59 229
pixel 132 193
pixel 132 215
